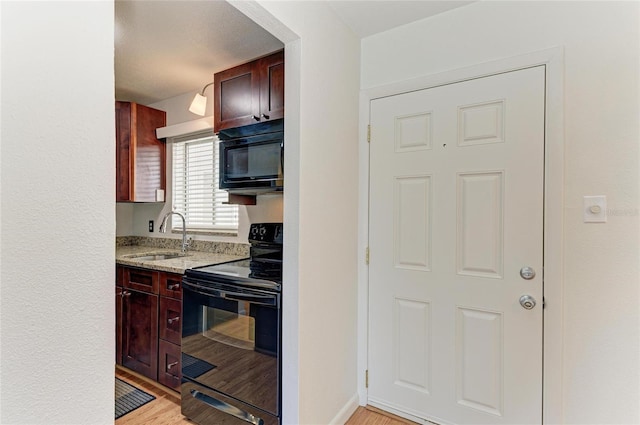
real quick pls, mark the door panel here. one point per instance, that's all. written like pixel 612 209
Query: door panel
pixel 412 242
pixel 479 223
pixel 456 209
pixel 412 344
pixel 479 360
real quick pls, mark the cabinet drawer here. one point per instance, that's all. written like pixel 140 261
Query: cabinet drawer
pixel 171 285
pixel 141 280
pixel 170 320
pixel 169 365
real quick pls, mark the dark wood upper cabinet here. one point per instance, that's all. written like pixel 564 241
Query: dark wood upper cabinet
pixel 271 69
pixel 249 93
pixel 140 156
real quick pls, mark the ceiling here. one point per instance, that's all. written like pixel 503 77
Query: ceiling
pixel 167 48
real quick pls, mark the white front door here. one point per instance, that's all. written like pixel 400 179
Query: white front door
pixel 456 211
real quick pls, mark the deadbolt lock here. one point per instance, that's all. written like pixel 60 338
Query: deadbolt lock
pixel 527 273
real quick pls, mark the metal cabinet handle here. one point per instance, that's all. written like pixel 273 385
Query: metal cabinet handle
pixel 170 365
pixel 256 118
pixel 175 319
pixel 173 287
pixel 126 293
pixel 265 116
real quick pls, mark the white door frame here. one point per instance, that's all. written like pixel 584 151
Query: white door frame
pixel 553 59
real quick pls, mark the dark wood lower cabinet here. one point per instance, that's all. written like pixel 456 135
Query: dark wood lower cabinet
pixel 169 365
pixel 170 324
pixel 170 320
pixel 118 324
pixel 149 323
pixel 140 332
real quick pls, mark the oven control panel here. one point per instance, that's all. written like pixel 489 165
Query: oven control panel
pixel 270 233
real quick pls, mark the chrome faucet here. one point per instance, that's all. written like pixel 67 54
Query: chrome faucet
pixel 163 228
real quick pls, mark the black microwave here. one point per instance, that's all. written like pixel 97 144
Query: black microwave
pixel 252 163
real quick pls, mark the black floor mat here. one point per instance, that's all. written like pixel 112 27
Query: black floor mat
pixel 129 398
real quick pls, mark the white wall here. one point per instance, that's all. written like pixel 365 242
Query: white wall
pixel 58 214
pixel 320 306
pixel 124 218
pixel 133 218
pixel 601 375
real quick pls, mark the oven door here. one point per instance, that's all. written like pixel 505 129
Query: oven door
pixel 230 345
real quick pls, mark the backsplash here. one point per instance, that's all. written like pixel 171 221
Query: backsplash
pixel 203 246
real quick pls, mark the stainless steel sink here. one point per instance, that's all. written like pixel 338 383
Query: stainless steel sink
pixel 154 257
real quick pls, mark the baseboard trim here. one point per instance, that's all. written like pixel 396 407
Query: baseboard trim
pixel 347 410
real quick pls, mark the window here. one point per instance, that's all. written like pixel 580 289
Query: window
pixel 195 185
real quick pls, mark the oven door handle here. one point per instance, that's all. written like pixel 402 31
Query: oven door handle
pixel 268 300
pixel 227 408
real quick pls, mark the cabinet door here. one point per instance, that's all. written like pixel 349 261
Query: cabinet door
pixel 124 160
pixel 170 320
pixel 140 332
pixel 140 156
pixel 169 365
pixel 150 154
pixel 236 97
pixel 119 289
pixel 119 325
pixel 271 70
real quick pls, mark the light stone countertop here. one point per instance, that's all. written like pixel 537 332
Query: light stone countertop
pixel 174 265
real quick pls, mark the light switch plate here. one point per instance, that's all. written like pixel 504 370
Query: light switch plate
pixel 594 209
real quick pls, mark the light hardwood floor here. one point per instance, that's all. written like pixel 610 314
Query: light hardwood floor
pixel 371 416
pixel 165 409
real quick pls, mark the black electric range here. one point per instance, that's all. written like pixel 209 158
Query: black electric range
pixel 231 336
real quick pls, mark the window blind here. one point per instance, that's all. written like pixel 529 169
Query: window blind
pixel 195 185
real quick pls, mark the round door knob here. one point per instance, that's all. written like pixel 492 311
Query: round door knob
pixel 527 302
